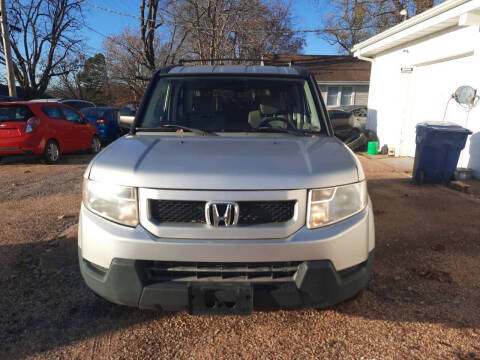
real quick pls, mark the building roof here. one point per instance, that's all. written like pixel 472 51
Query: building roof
pixel 446 14
pixel 326 68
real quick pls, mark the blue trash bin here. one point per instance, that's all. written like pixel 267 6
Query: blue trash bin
pixel 438 147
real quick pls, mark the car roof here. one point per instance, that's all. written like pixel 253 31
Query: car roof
pixel 44 100
pixel 60 100
pixel 79 100
pixel 239 69
pixel 25 102
pixel 100 108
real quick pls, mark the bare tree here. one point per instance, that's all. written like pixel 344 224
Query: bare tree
pixel 236 28
pixel 125 61
pixel 67 84
pixel 198 29
pixel 44 34
pixel 134 56
pixel 157 51
pixel 353 21
pixel 149 23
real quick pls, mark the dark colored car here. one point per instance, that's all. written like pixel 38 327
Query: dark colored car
pixel 105 120
pixel 353 116
pixel 349 124
pixel 44 128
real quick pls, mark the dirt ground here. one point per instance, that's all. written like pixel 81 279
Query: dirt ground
pixel 423 301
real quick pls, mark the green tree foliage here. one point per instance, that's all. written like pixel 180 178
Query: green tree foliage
pixel 83 78
pixel 92 79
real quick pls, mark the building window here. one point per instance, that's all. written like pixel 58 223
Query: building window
pixel 346 96
pixel 332 96
pixel 340 95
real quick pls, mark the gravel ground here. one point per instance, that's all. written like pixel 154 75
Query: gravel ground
pixel 422 301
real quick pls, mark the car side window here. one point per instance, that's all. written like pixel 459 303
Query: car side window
pixel 71 115
pixel 79 105
pixel 113 115
pixel 53 112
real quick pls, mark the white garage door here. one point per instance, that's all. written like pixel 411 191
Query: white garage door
pixel 430 90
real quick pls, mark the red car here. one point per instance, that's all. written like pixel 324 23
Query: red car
pixel 44 128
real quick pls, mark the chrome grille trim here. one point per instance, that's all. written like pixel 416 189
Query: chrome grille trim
pixel 205 232
pixel 193 212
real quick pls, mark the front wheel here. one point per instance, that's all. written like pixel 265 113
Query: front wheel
pixel 96 145
pixel 52 152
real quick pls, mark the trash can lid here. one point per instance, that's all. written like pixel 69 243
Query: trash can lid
pixel 443 126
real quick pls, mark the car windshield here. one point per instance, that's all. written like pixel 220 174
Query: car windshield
pixel 92 112
pixel 232 104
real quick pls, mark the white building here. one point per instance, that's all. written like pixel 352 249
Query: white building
pixel 416 67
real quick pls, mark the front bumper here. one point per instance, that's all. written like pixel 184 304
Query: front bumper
pixel 345 244
pixel 315 284
pixel 335 263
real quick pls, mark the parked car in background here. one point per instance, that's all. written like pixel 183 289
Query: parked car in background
pixel 75 103
pixel 44 128
pixel 349 124
pixel 105 119
pixel 353 116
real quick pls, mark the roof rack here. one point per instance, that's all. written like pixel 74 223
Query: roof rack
pixel 239 60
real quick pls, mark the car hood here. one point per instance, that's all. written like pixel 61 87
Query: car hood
pixel 226 162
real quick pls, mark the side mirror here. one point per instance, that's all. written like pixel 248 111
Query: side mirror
pixel 126 121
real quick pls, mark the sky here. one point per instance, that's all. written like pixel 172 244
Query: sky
pixel 308 15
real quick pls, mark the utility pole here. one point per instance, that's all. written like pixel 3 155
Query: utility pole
pixel 12 89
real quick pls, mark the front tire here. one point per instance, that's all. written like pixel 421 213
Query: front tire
pixel 96 145
pixel 51 153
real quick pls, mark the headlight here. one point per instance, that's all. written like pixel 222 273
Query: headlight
pixel 113 202
pixel 330 205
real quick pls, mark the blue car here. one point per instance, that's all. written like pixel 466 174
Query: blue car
pixel 105 120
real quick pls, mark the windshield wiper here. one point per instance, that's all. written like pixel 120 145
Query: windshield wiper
pixel 310 132
pixel 277 130
pixel 176 127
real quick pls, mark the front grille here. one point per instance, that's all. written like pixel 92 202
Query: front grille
pixel 251 212
pixel 160 271
pixel 264 212
pixel 175 211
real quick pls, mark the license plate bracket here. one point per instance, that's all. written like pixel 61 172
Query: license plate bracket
pixel 221 299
